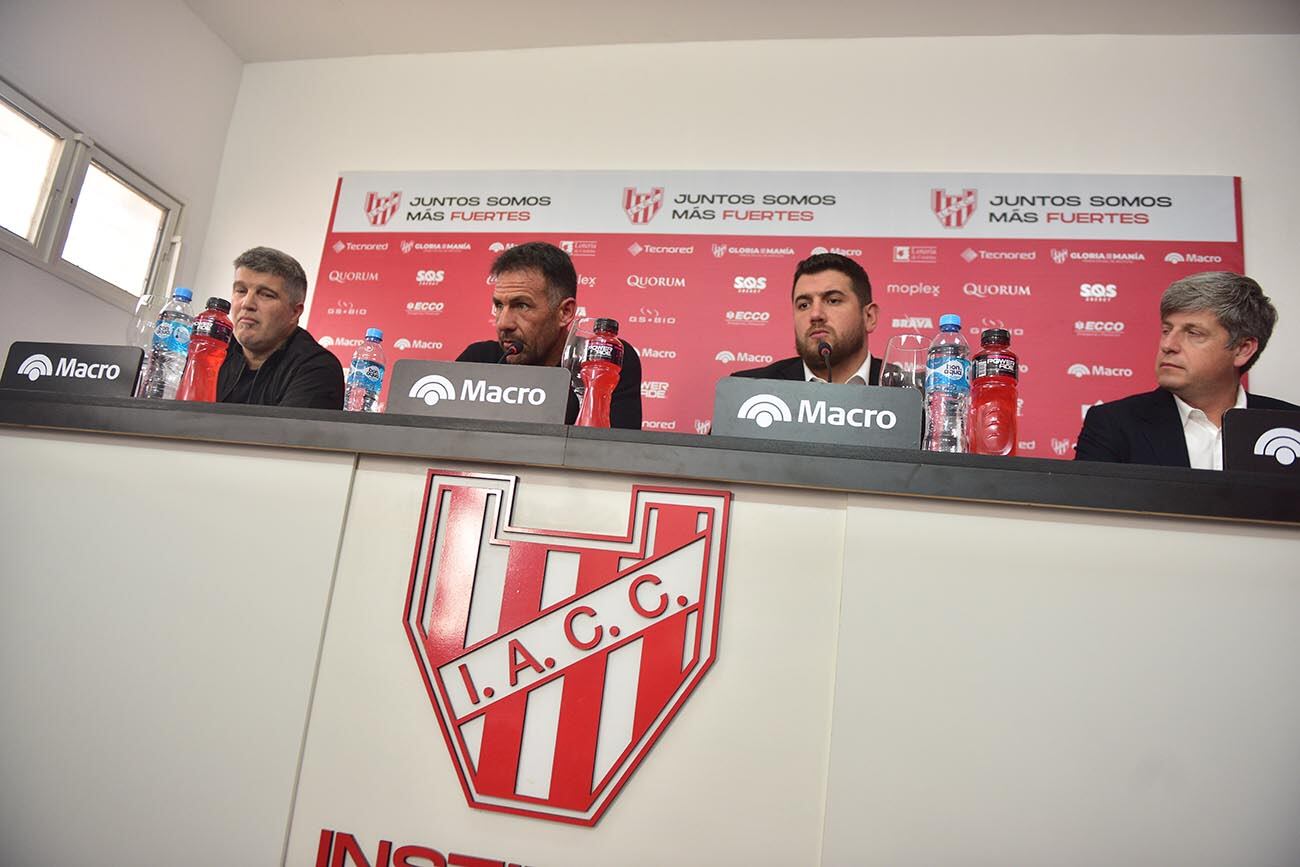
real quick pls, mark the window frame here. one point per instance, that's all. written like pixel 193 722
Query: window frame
pixel 54 221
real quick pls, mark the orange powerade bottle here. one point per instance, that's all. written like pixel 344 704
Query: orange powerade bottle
pixel 602 364
pixel 208 344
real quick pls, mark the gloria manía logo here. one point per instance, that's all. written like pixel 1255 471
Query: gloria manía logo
pixel 596 640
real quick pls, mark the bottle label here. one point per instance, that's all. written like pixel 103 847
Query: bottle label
pixel 171 335
pixel 947 374
pixel 604 350
pixel 995 365
pixel 367 374
pixel 205 326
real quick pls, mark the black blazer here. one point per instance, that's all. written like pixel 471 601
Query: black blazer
pixel 624 406
pixel 792 368
pixel 1144 429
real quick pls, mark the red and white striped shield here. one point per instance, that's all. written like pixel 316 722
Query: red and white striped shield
pixel 641 207
pixel 555 660
pixel 380 208
pixel 953 211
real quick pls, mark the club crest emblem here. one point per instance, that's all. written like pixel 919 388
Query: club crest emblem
pixel 555 660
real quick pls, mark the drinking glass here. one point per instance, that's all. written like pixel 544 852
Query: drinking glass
pixel 904 362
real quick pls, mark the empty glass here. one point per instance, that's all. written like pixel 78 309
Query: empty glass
pixel 904 362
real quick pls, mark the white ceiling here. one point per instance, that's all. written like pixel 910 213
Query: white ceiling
pixel 262 30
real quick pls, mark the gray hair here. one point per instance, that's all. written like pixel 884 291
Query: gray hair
pixel 267 260
pixel 1238 301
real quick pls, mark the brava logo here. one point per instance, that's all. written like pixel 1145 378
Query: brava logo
pixel 434 388
pixel 766 410
pixel 38 365
pixel 610 634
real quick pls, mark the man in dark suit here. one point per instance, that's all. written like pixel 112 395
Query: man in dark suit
pixel 833 314
pixel 534 302
pixel 1214 326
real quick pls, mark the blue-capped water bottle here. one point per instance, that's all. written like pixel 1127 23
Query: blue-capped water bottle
pixel 947 389
pixel 366 374
pixel 164 362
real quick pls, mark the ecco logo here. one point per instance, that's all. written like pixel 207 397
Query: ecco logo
pixel 1097 326
pixel 38 365
pixel 747 316
pixel 1079 371
pixel 430 278
pixel 434 307
pixel 767 409
pixel 1097 291
pixel 749 284
pixel 35 367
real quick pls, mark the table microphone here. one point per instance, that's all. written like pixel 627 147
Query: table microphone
pixel 824 350
pixel 511 347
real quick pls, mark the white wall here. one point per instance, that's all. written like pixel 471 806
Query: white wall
pixel 152 85
pixel 1195 105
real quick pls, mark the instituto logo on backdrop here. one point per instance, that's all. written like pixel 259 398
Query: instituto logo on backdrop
pixel 641 207
pixel 953 210
pixel 380 208
pixel 596 640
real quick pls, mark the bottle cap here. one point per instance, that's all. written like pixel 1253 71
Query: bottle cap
pixel 221 304
pixel 995 335
pixel 610 325
pixel 183 294
pixel 374 334
pixel 950 319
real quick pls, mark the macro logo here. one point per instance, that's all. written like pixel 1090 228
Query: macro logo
pixel 1079 371
pixel 497 247
pixel 433 388
pixel 1280 443
pixel 429 277
pixel 953 210
pixel 725 357
pixel 651 352
pixel 764 410
pixel 1060 255
pixel 1060 445
pixel 747 317
pixel 402 344
pixel 1192 258
pixel 380 208
pixel 641 207
pixel 554 660
pixel 719 250
pixel 326 341
pixel 36 366
pixel 338 246
pixel 817 251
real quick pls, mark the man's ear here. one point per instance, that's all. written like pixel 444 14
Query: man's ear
pixel 870 317
pixel 568 308
pixel 1244 351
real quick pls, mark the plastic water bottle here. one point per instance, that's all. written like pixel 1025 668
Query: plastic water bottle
pixel 947 388
pixel 209 342
pixel 995 372
pixel 366 374
pixel 602 365
pixel 164 360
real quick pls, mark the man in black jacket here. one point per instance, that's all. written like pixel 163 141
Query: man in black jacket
pixel 534 302
pixel 1214 326
pixel 832 310
pixel 274 362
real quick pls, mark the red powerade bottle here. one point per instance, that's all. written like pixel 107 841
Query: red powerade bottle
pixel 602 364
pixel 995 372
pixel 209 342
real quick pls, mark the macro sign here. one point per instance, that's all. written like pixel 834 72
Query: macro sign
pixel 554 660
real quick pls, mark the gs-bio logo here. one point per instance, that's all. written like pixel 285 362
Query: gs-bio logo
pixel 554 660
pixel 1097 291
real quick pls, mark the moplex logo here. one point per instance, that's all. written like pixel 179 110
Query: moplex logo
pixel 597 641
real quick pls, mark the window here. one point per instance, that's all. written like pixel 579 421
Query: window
pixel 71 208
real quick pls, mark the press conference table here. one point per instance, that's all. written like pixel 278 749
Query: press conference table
pixel 921 659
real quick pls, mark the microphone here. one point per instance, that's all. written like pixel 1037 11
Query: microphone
pixel 511 347
pixel 824 350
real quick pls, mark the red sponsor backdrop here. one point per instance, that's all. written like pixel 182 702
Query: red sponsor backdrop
pixel 1083 314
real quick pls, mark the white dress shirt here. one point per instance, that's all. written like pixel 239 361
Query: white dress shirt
pixel 1204 437
pixel 859 378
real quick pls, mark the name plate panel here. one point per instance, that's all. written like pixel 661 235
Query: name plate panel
pixel 462 389
pixel 72 368
pixel 860 415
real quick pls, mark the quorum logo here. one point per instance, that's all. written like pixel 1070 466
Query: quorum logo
pixel 596 641
pixel 1280 443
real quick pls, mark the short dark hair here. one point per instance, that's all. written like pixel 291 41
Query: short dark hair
pixel 1238 301
pixel 819 262
pixel 267 260
pixel 554 264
